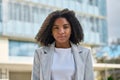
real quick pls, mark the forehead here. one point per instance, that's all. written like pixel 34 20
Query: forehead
pixel 61 20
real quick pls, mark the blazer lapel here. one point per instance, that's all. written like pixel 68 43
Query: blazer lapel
pixel 78 62
pixel 47 60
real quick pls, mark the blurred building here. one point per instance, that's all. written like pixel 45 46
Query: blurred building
pixel 20 20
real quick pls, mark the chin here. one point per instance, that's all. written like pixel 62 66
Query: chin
pixel 62 42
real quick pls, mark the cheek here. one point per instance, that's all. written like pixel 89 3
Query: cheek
pixel 70 32
pixel 53 34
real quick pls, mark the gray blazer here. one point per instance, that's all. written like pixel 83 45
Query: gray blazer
pixel 43 61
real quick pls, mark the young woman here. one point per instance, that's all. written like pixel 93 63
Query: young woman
pixel 60 56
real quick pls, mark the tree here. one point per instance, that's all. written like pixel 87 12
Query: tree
pixel 110 78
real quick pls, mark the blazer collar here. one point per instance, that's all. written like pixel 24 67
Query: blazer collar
pixel 52 46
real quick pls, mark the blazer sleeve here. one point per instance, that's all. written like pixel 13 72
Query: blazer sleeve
pixel 36 67
pixel 89 72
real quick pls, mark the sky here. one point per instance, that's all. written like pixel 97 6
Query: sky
pixel 113 19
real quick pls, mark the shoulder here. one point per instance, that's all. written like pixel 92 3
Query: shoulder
pixel 39 52
pixel 40 49
pixel 85 53
pixel 45 48
pixel 84 49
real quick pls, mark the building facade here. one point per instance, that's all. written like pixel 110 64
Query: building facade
pixel 20 21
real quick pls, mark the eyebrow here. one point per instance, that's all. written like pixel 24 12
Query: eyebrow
pixel 63 25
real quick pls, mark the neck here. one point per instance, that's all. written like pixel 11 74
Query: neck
pixel 62 45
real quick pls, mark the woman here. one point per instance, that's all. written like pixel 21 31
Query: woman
pixel 60 57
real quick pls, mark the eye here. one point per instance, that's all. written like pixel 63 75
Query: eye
pixel 66 26
pixel 55 27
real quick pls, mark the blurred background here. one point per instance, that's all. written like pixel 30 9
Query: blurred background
pixel 20 21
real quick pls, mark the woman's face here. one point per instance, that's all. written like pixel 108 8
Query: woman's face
pixel 61 30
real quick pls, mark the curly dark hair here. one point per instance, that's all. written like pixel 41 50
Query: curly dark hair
pixel 44 36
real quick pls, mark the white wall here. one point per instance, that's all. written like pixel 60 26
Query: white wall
pixel 4 49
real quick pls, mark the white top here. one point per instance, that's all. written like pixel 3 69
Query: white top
pixel 63 67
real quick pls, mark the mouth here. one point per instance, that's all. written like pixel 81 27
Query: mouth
pixel 61 37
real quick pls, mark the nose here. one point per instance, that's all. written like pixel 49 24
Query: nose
pixel 61 31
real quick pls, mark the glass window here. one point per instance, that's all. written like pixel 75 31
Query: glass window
pixel 103 31
pixel 97 24
pixel 15 11
pixel 0 1
pixel 19 48
pixel 91 2
pixel 80 1
pixel 35 14
pixel 104 28
pixel 10 11
pixel 96 2
pixel 18 11
pixel 92 24
pixel 0 13
pixel 26 13
pixel 43 13
pixel 0 27
pixel 91 20
pixel 102 7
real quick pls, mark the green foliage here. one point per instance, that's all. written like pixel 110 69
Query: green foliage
pixel 110 78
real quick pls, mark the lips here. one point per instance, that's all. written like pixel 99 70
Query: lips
pixel 61 37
